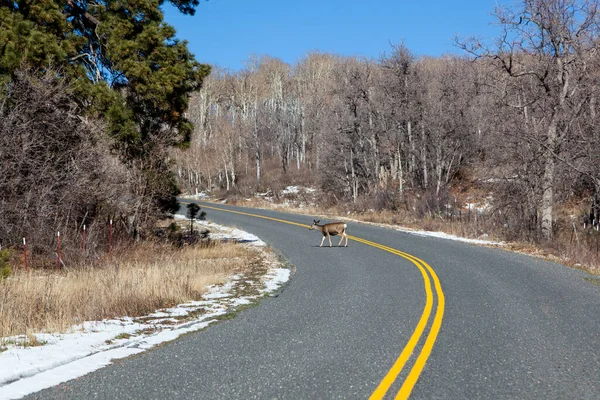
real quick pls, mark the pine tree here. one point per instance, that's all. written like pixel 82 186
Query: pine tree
pixel 127 65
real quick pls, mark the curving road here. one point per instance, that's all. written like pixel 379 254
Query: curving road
pixel 370 321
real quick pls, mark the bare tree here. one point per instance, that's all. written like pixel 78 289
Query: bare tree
pixel 57 171
pixel 543 53
pixel 313 79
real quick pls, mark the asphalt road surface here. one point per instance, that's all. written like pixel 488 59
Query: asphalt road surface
pixel 393 314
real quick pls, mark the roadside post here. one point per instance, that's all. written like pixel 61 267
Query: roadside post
pixel 25 254
pixel 83 240
pixel 58 250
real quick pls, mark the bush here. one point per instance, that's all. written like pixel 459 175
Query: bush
pixel 5 256
pixel 56 160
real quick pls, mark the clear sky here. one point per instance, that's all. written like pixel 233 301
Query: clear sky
pixel 227 32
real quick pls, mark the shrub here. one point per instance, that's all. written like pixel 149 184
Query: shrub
pixel 5 256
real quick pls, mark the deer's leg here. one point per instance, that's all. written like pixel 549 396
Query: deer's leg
pixel 329 238
pixel 346 235
pixel 341 238
pixel 322 240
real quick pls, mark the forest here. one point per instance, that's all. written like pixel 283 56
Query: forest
pixel 509 124
pixel 92 96
pixel 106 115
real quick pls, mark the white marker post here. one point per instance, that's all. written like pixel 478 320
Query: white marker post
pixel 83 240
pixel 25 254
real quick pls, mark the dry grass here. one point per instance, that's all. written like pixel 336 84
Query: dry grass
pixel 148 277
pixel 581 253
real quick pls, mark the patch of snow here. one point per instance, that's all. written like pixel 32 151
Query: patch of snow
pixel 93 345
pixel 217 295
pixel 275 278
pixel 297 189
pixel 480 207
pixel 220 232
pixel 198 195
pixel 238 236
pixel 443 235
pixel 290 190
pixel 241 302
pixel 265 194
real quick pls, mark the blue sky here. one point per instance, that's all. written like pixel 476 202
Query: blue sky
pixel 227 32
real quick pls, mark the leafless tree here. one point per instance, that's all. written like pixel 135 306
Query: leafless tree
pixel 57 171
pixel 543 54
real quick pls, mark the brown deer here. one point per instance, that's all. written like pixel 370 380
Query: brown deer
pixel 331 229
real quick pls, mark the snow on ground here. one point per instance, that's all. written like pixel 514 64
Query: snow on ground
pixel 290 190
pixel 93 345
pixel 219 232
pixel 443 235
pixel 293 189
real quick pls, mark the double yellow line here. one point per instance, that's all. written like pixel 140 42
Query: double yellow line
pixel 415 338
pixel 428 275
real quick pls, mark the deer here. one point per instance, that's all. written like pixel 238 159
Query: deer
pixel 331 229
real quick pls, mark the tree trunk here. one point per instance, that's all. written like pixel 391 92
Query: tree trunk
pixel 303 136
pixel 411 143
pixel 548 181
pixel 257 159
pixel 424 155
pixel 438 164
pixel 354 181
pixel 256 148
pixel 400 171
pixel 226 176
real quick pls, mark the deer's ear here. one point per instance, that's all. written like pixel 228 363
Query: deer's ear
pixel 316 222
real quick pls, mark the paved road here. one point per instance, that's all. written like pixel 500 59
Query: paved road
pixel 513 327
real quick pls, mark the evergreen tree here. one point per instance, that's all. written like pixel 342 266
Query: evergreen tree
pixel 127 65
pixel 192 213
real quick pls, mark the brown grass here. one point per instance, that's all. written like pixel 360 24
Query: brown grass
pixel 148 277
pixel 581 252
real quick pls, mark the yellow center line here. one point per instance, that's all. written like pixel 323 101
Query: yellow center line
pixel 253 215
pixel 393 373
pixel 419 364
pixel 417 368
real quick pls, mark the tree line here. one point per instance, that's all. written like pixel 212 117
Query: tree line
pixel 515 117
pixel 92 96
pixel 104 113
